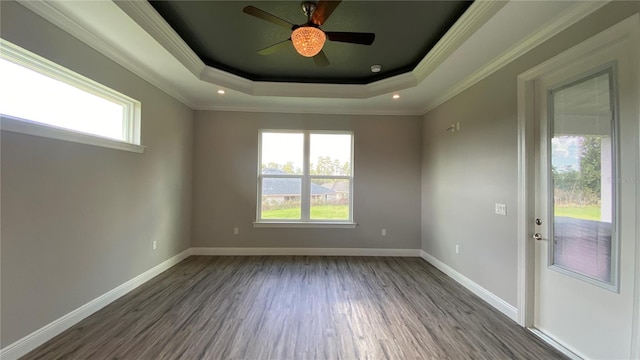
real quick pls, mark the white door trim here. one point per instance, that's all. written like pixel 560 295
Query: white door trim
pixel 627 31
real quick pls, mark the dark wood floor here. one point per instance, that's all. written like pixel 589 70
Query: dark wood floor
pixel 297 308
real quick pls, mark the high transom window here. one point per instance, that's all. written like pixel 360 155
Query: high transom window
pixel 50 100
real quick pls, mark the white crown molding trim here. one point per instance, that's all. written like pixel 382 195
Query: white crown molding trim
pixel 287 89
pixel 336 110
pixel 56 16
pixel 310 90
pixel 227 251
pixel 392 84
pixel 477 15
pixel 148 18
pixel 559 24
pixel 47 332
pixel 486 295
pixel 228 80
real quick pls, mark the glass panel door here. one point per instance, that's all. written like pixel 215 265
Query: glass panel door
pixel 582 169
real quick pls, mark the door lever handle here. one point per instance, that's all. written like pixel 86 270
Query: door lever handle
pixel 538 236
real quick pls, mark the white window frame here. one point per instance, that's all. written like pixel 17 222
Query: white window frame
pixel 306 178
pixel 131 107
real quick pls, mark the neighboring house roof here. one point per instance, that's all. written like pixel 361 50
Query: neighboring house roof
pixel 288 186
pixel 337 186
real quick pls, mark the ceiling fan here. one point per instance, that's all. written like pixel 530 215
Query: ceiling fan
pixel 308 39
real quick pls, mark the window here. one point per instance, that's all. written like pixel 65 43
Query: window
pixel 44 99
pixel 305 177
pixel 583 162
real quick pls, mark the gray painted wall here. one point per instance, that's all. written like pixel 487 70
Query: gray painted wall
pixel 386 184
pixel 78 220
pixel 465 173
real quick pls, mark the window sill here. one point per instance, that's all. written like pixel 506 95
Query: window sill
pixel 324 225
pixel 23 126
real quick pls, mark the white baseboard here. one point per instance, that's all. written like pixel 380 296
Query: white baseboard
pixel 225 251
pixel 47 332
pixel 42 335
pixel 571 354
pixel 486 295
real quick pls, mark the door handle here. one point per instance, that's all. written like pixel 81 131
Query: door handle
pixel 538 236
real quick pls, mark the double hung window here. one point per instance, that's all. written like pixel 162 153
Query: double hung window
pixel 305 177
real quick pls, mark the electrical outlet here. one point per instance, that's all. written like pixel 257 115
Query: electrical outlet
pixel 154 245
pixel 457 249
pixel 458 126
pixel 236 231
pixel 384 232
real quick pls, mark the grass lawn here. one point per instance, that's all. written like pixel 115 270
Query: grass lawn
pixel 591 212
pixel 328 212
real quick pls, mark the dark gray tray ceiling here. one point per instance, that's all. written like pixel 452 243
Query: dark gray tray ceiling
pixel 226 38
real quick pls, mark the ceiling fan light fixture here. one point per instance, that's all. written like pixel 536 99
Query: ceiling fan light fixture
pixel 308 40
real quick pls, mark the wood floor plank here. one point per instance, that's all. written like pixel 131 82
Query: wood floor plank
pixel 297 307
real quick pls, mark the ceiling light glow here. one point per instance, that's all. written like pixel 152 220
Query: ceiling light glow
pixel 308 40
pixel 221 92
pixel 396 96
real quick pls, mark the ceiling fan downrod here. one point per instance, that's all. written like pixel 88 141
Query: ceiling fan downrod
pixel 308 7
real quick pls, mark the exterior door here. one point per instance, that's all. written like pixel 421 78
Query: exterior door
pixel 586 202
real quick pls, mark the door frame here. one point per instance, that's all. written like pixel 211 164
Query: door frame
pixel 628 32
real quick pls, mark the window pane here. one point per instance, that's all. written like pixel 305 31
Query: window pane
pixel 30 95
pixel 282 153
pixel 582 169
pixel 330 199
pixel 281 198
pixel 330 154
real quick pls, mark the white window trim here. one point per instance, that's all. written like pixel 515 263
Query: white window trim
pixel 131 107
pixel 305 224
pixel 306 178
pixel 28 127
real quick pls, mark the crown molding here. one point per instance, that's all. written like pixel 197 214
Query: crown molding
pixel 225 79
pixel 148 18
pixel 392 84
pixel 191 92
pixel 335 110
pixel 287 89
pixel 309 90
pixel 559 24
pixel 477 15
pixel 50 12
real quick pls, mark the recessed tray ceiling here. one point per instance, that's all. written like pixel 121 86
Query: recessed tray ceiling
pixel 224 37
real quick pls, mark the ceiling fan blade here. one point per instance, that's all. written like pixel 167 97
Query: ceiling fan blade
pixel 321 59
pixel 261 14
pixel 274 48
pixel 323 11
pixel 351 37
